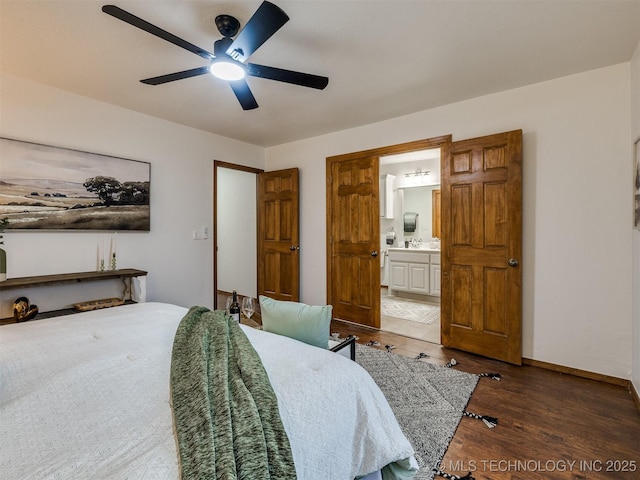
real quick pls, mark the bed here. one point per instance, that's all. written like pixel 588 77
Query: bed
pixel 88 396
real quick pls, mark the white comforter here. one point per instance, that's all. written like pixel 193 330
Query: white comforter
pixel 87 396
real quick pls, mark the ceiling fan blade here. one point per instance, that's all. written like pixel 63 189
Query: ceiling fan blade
pixel 243 94
pixel 131 19
pixel 172 77
pixel 266 21
pixel 288 76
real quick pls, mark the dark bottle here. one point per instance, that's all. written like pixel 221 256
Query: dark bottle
pixel 234 308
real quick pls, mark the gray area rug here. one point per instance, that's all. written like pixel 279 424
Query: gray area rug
pixel 428 400
pixel 409 310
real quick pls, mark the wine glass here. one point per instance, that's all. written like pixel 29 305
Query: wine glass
pixel 248 307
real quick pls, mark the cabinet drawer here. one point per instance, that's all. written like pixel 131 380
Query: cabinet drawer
pixel 435 259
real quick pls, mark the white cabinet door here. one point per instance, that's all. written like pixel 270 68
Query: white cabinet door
pixel 419 278
pixel 399 276
pixel 435 275
pixel 435 279
pixel 386 195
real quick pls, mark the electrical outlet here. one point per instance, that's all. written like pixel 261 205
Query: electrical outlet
pixel 200 233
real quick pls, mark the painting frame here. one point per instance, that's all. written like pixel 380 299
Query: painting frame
pixel 44 187
pixel 636 184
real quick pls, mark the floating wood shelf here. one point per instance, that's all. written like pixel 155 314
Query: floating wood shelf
pixel 57 279
pixel 125 274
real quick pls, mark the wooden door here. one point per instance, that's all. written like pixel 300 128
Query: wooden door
pixel 482 246
pixel 353 228
pixel 278 235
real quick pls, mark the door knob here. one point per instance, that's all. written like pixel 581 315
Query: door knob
pixel 513 262
pixel 293 248
pixel 374 254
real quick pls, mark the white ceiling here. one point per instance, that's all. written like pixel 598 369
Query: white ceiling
pixel 384 58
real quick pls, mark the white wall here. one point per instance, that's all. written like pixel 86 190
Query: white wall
pixel 635 134
pixel 180 268
pixel 577 242
pixel 577 273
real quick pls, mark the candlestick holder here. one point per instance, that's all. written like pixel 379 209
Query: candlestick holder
pixel 102 264
pixel 113 261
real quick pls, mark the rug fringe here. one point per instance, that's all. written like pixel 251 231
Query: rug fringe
pixel 490 422
pixel 452 363
pixel 452 476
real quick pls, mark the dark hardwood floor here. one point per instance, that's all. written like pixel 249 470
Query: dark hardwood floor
pixel 550 425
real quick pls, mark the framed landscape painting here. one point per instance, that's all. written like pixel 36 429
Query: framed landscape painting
pixel 50 188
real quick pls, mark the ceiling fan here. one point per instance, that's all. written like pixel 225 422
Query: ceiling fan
pixel 229 57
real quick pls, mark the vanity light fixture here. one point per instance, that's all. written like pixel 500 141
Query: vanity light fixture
pixel 418 173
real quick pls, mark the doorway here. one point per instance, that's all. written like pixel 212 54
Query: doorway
pixel 234 231
pixel 353 230
pixel 409 303
pixel 255 232
pixel 481 278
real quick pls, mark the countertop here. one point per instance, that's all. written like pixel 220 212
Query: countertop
pixel 415 250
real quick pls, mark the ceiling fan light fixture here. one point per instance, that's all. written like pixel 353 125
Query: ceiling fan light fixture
pixel 227 70
pixel 227 61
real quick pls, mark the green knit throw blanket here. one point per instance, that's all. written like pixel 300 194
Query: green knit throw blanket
pixel 225 410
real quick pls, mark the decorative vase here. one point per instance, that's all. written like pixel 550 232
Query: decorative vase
pixel 3 265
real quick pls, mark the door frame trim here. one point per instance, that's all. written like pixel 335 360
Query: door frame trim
pixel 441 142
pixel 231 166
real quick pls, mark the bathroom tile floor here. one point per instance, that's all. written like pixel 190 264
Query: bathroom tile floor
pixel 419 331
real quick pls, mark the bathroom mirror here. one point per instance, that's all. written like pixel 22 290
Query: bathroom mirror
pixel 421 201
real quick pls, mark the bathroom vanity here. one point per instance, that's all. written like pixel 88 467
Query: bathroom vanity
pixel 415 271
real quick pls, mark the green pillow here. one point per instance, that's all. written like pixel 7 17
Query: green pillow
pixel 309 324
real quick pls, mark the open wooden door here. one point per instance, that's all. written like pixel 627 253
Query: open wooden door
pixel 353 231
pixel 278 235
pixel 482 246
